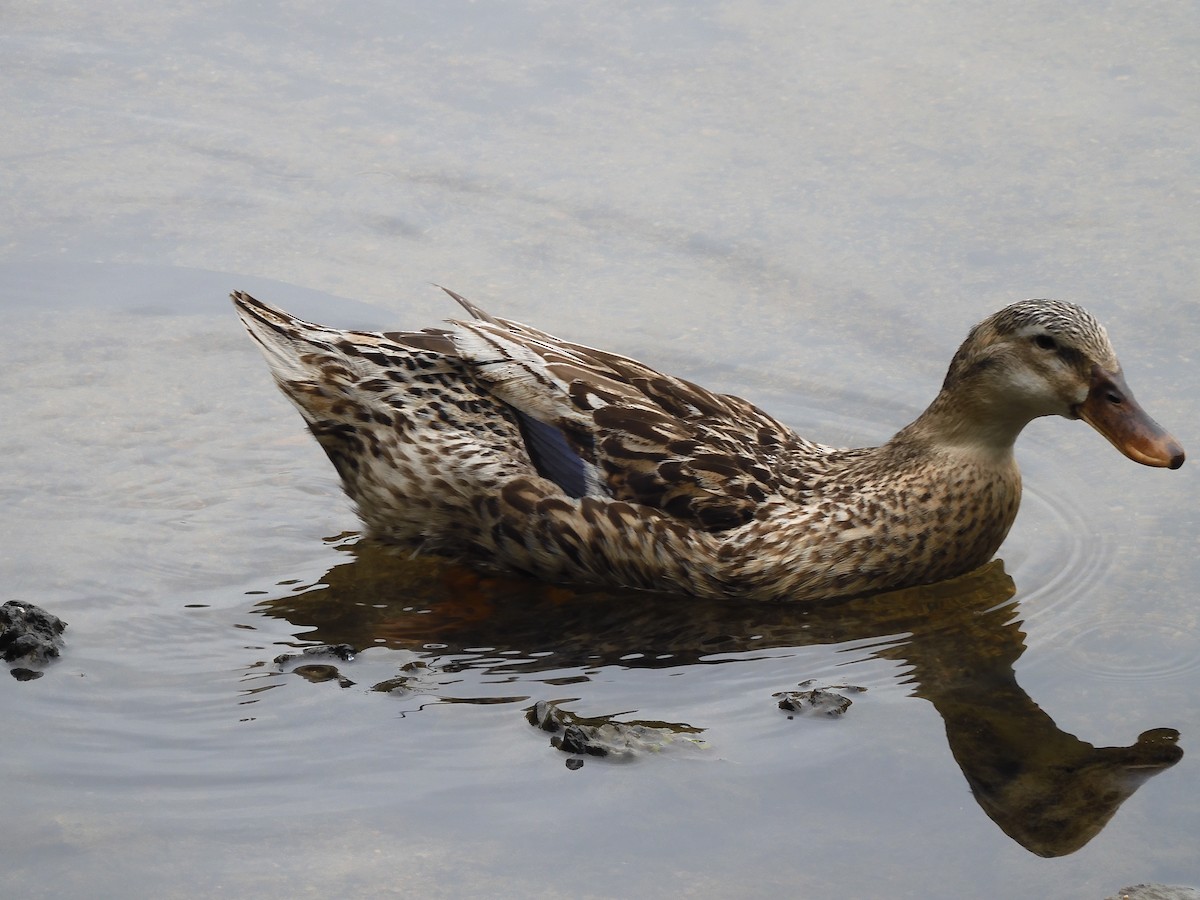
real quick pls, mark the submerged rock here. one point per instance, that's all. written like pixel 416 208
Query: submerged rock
pixel 602 736
pixel 303 663
pixel 814 701
pixel 344 652
pixel 29 635
pixel 318 674
pixel 414 678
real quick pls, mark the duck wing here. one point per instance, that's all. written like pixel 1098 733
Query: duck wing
pixel 705 459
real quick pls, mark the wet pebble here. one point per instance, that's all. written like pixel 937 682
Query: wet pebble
pixel 318 674
pixel 29 635
pixel 344 652
pixel 817 701
pixel 602 736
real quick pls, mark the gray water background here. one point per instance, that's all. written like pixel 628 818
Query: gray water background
pixel 804 204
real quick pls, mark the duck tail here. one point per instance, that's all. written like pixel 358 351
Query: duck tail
pixel 284 339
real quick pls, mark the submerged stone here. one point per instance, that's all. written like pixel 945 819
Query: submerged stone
pixel 603 736
pixel 318 674
pixel 344 652
pixel 814 701
pixel 29 635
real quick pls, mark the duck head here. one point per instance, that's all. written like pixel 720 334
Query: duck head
pixel 1049 358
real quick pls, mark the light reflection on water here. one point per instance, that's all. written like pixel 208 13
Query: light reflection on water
pixel 958 642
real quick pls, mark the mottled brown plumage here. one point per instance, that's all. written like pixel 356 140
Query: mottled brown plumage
pixel 495 442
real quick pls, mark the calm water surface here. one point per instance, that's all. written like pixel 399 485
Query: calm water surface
pixel 802 205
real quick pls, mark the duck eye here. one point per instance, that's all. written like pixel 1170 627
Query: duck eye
pixel 1045 342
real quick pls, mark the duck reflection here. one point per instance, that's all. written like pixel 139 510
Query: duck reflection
pixel 1048 790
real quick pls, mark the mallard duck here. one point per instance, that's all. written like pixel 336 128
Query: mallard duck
pixel 498 444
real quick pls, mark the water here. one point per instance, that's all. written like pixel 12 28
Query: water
pixel 805 206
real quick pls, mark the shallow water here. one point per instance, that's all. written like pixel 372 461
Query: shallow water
pixel 807 207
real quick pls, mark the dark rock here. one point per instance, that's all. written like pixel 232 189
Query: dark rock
pixel 344 652
pixel 305 663
pixel 29 635
pixel 814 701
pixel 318 673
pixel 603 736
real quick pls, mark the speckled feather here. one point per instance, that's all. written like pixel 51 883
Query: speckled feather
pixel 683 489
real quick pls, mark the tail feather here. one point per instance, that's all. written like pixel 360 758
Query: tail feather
pixel 284 339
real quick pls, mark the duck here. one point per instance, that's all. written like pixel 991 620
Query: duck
pixel 504 447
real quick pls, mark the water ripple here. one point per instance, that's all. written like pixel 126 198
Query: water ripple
pixel 1116 648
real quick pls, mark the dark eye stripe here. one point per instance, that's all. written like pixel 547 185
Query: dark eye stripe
pixel 1070 355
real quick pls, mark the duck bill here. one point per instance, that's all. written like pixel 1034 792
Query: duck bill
pixel 1112 411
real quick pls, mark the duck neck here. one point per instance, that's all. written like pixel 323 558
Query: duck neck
pixel 962 421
